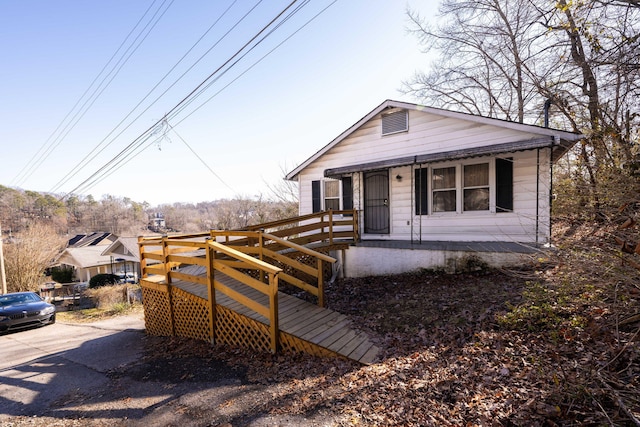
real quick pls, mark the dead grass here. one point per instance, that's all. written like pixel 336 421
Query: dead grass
pixel 93 314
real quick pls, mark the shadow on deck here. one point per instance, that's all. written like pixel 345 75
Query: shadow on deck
pixel 222 286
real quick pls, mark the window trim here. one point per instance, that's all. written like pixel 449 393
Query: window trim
pixel 476 187
pixel 456 179
pixel 319 197
pixel 459 167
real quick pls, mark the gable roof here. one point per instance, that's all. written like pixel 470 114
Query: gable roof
pixel 548 137
pixel 124 247
pixel 85 257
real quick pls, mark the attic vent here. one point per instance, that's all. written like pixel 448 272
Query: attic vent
pixel 396 121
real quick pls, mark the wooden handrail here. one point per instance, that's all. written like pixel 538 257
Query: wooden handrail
pixel 300 248
pixel 256 263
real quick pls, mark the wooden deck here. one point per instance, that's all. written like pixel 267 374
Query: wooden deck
pixel 317 326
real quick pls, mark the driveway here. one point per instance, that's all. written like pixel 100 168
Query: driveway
pixel 91 374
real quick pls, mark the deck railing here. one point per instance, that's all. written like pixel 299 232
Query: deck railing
pixel 326 227
pixel 255 259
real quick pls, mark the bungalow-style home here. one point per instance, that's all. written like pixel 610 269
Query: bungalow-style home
pixel 436 188
pixel 126 258
pixel 102 253
pixel 86 261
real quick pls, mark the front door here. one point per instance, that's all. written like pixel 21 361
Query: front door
pixel 376 202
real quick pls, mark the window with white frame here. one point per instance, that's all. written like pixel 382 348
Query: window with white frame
pixel 444 193
pixel 334 194
pixel 464 187
pixel 331 195
pixel 476 187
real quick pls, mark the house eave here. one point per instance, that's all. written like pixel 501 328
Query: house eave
pixel 510 147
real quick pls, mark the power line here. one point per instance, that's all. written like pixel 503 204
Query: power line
pixel 200 158
pixel 38 158
pixel 132 150
pixel 97 150
pixel 73 172
pixel 136 141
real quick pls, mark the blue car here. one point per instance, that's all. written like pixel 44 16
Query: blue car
pixel 24 309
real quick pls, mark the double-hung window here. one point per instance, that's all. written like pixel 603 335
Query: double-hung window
pixel 464 187
pixel 443 183
pixel 332 194
pixel 476 187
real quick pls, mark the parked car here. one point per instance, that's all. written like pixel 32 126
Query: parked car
pixel 24 309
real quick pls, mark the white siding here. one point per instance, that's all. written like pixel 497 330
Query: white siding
pixel 429 133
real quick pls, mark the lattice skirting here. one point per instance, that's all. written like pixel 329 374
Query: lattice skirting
pixel 190 315
pixel 183 314
pixel 292 344
pixel 157 310
pixel 240 331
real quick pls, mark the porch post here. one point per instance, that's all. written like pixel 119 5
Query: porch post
pixel 320 283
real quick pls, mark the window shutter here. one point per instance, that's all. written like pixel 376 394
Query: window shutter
pixel 504 185
pixel 347 193
pixel 420 184
pixel 315 196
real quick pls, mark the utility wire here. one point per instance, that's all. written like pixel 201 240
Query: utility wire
pixel 36 161
pixel 97 150
pixel 32 159
pixel 201 159
pixel 255 63
pixel 185 99
pixel 72 172
pixel 136 144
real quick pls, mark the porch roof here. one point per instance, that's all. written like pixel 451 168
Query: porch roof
pixel 509 147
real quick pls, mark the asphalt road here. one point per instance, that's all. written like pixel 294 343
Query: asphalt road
pixel 39 367
pixel 59 375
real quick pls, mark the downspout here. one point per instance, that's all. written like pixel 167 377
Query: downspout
pixel 537 195
pixel 415 159
pixel 547 105
pixel 556 141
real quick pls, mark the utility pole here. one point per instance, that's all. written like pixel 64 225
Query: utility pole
pixel 3 277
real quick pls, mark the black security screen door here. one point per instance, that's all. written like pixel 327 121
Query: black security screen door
pixel 376 202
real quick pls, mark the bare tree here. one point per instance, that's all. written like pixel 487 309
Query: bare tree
pixel 28 254
pixel 504 58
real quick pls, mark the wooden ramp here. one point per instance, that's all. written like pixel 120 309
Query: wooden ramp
pixel 319 330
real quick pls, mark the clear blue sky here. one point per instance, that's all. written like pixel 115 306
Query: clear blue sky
pixel 302 95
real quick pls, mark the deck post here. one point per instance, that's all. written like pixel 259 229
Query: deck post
pixel 274 327
pixel 143 260
pixel 320 283
pixel 211 256
pixel 263 276
pixel 330 227
pixel 167 278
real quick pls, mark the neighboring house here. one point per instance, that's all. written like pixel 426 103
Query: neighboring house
pixel 157 222
pixel 87 261
pixel 101 253
pixel 125 255
pixel 433 187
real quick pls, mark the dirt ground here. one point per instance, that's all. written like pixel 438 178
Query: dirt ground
pixel 554 343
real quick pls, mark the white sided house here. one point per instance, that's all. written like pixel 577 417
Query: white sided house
pixel 436 188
